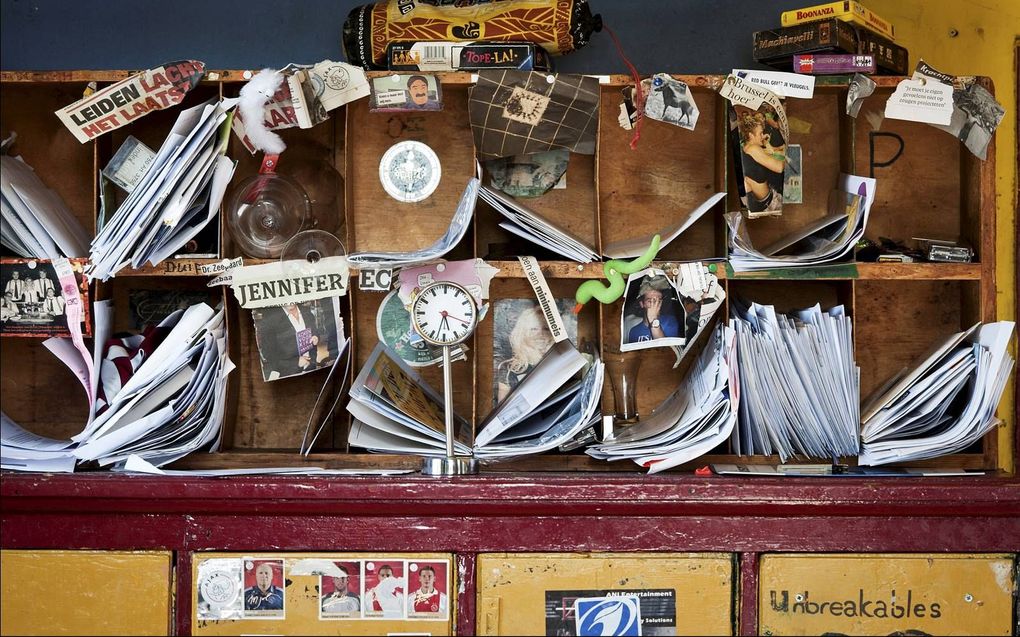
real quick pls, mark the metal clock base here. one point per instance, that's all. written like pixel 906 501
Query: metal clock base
pixel 454 466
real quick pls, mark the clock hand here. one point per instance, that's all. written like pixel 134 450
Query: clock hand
pixel 459 319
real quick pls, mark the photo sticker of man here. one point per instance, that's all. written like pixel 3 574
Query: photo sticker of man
pixel 385 589
pixel 428 583
pixel 395 93
pixel 521 338
pixel 263 589
pixel 653 315
pixel 340 591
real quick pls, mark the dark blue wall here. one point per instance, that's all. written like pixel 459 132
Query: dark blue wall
pixel 689 36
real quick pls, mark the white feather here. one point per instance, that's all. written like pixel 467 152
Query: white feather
pixel 254 96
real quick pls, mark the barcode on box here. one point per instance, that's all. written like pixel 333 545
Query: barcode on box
pixel 434 53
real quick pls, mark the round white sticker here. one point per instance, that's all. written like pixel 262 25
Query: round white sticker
pixel 410 171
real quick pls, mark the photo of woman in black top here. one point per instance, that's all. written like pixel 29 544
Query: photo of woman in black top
pixel 762 160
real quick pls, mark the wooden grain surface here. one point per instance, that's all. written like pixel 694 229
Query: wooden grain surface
pixel 934 189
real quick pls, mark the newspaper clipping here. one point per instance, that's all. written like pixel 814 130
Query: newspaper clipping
pixel 121 103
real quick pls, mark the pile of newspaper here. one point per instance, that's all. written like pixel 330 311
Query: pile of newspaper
pixel 690 422
pixel 826 240
pixel 547 409
pixel 172 404
pixel 799 384
pixel 154 397
pixel 528 224
pixel 943 403
pixel 37 224
pixel 179 194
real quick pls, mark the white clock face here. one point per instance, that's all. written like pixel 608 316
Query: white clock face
pixel 444 313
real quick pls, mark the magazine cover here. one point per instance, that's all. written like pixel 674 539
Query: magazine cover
pixel 521 339
pixel 298 338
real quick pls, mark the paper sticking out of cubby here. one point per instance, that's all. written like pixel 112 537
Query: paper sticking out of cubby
pixel 528 224
pixel 37 224
pixel 630 248
pixel 690 422
pixel 458 228
pixel 177 197
pixel 824 240
pixel 944 403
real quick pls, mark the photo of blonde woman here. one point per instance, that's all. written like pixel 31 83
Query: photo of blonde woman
pixel 521 338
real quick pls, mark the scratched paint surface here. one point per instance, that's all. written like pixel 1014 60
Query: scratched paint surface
pixel 302 602
pixel 511 587
pixel 84 593
pixel 882 594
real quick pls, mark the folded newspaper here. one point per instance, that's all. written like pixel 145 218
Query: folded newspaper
pixel 944 402
pixel 546 410
pixel 458 228
pixel 178 196
pixel 396 411
pixel 825 240
pixel 696 418
pixel 528 224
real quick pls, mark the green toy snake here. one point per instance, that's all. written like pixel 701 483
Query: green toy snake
pixel 614 270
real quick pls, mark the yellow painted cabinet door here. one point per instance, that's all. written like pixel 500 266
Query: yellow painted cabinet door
pixel 886 594
pixel 536 594
pixel 85 593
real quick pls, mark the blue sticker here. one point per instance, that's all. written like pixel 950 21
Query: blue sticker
pixel 616 615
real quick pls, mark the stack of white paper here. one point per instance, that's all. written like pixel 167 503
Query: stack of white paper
pixel 458 228
pixel 691 421
pixel 36 223
pixel 525 222
pixel 822 241
pixel 173 404
pixel 22 450
pixel 396 411
pixel 554 420
pixel 944 403
pixel 177 197
pixel 799 383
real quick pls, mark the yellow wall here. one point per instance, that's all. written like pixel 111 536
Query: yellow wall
pixel 987 30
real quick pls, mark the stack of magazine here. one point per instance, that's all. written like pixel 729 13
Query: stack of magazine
pixel 172 404
pixel 547 409
pixel 690 422
pixel 528 224
pixel 396 411
pixel 37 224
pixel 179 194
pixel 821 242
pixel 944 402
pixel 799 384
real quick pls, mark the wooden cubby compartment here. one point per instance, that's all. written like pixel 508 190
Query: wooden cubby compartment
pixel 935 189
